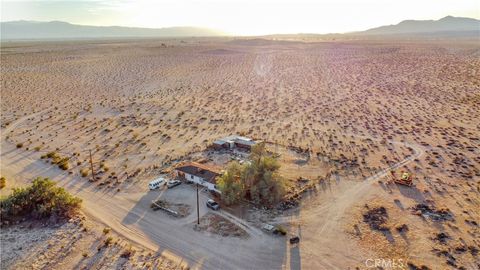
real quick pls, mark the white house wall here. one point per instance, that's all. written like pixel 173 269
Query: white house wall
pixel 200 181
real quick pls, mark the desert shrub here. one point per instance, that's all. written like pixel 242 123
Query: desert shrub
pixel 104 166
pixel 37 148
pixel 376 218
pixel 19 145
pixel 127 253
pixel 106 230
pixel 40 200
pixel 62 162
pixel 108 241
pixel 281 230
pixel 3 182
pixel 64 165
pixel 84 172
pixel 52 155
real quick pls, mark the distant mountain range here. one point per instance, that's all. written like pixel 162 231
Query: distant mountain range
pixel 445 27
pixel 63 30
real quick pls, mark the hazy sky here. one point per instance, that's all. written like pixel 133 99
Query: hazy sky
pixel 240 17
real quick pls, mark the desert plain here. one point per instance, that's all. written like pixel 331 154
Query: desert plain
pixel 341 114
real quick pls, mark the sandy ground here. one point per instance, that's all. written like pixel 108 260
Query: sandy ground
pixel 356 109
pixel 76 244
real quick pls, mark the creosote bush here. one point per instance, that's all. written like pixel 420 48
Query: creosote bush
pixel 40 200
pixel 62 162
pixel 282 230
pixel 128 252
pixel 84 172
pixel 3 182
pixel 108 241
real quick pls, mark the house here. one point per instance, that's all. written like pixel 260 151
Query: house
pixel 198 173
pixel 234 141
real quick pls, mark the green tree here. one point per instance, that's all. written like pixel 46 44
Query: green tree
pixel 258 180
pixel 231 183
pixel 265 184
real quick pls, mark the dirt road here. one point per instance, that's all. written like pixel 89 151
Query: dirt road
pixel 323 244
pixel 130 215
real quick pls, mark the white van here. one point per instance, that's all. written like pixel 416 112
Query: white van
pixel 156 183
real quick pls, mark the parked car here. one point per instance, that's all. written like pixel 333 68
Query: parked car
pixel 268 228
pixel 213 204
pixel 173 183
pixel 274 229
pixel 294 240
pixel 156 183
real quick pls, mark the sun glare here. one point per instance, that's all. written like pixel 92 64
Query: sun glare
pixel 242 17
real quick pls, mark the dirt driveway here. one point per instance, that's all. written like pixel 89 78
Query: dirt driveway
pixel 323 245
pixel 130 215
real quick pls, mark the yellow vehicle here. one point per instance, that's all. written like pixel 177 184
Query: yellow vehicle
pixel 406 178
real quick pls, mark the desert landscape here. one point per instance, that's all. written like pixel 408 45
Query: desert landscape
pixel 340 115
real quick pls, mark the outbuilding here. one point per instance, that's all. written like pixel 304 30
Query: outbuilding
pixel 234 141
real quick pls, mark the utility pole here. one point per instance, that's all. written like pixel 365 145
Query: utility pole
pixel 91 166
pixel 198 209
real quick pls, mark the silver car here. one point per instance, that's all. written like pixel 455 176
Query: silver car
pixel 213 204
pixel 173 183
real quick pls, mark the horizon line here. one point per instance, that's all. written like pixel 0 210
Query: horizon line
pixel 229 34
